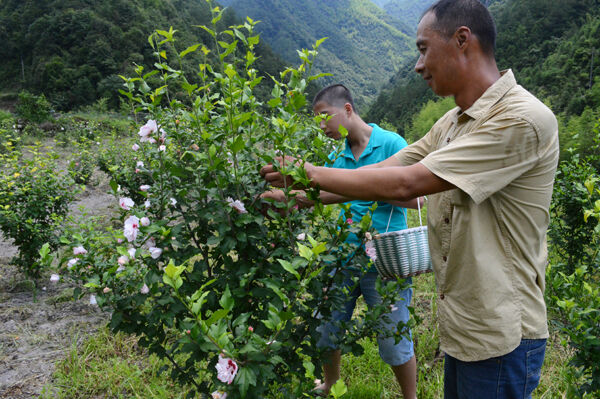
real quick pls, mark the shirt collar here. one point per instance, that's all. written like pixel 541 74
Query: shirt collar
pixel 371 145
pixel 492 95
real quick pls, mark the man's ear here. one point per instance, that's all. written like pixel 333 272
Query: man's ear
pixel 463 37
pixel 348 109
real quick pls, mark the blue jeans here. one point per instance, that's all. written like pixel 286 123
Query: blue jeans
pixel 512 376
pixel 390 353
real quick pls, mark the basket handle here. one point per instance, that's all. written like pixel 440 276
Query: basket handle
pixel 405 216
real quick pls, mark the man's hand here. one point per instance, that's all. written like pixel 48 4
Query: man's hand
pixel 276 195
pixel 270 173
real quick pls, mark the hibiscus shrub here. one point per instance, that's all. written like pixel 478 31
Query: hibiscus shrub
pixel 34 199
pixel 226 286
pixel 574 275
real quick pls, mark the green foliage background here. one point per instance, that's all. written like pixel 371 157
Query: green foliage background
pixel 73 51
pixel 405 10
pixel 549 46
pixel 365 45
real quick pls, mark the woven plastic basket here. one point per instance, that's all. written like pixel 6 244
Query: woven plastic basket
pixel 403 253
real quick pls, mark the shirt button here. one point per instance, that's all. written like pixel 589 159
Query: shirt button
pixel 448 140
pixel 447 220
pixel 442 297
pixel 444 258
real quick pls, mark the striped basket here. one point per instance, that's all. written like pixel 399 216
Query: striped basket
pixel 403 253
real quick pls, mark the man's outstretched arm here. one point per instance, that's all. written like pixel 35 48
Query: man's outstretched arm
pixel 377 183
pixel 331 198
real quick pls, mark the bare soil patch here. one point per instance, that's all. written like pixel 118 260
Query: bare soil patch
pixel 38 328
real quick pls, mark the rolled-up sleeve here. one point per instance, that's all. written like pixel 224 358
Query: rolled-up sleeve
pixel 488 158
pixel 415 152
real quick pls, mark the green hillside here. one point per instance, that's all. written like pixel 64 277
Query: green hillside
pixel 549 46
pixel 365 45
pixel 408 11
pixel 74 50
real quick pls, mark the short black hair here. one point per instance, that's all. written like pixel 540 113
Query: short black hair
pixel 336 95
pixel 452 14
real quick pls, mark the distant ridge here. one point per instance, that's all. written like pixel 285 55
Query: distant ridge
pixel 365 46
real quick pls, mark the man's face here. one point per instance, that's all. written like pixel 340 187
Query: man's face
pixel 437 58
pixel 335 117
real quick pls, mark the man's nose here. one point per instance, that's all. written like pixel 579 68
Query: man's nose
pixel 419 66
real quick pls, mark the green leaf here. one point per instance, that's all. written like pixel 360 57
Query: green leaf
pixel 274 102
pixel 321 247
pixel 343 131
pixel 217 18
pixel 149 74
pixel 253 40
pixel 227 300
pixel 305 252
pixel 162 32
pixel 216 316
pixel 91 285
pixel 310 369
pixel 320 41
pixel 189 50
pixel 238 144
pixel 178 282
pixel 114 185
pixel 277 290
pixel 276 92
pixel 589 184
pixel 210 31
pixel 45 250
pixel 151 41
pixel 122 251
pixel 199 301
pixel 245 377
pixel 289 267
pixel 229 50
pixel 230 71
pixel 269 324
pixel 173 271
pixel 339 389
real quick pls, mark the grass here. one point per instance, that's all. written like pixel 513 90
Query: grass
pixel 368 376
pixel 110 366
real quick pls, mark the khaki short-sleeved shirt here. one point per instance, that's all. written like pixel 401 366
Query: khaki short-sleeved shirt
pixel 487 237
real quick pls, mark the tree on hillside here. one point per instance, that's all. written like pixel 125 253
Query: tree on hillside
pixel 550 45
pixel 74 51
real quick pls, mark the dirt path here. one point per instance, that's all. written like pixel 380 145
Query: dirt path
pixel 38 330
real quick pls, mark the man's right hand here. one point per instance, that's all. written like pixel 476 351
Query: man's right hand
pixel 270 173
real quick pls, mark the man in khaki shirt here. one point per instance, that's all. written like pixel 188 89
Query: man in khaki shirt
pixel 488 167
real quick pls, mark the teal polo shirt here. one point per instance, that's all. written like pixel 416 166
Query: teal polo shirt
pixel 382 145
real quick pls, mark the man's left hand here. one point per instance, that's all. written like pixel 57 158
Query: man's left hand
pixel 275 178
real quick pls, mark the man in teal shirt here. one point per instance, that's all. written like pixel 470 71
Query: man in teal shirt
pixel 365 144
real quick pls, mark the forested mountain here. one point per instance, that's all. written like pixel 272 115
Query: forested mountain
pixel 407 11
pixel 74 50
pixel 364 46
pixel 552 46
